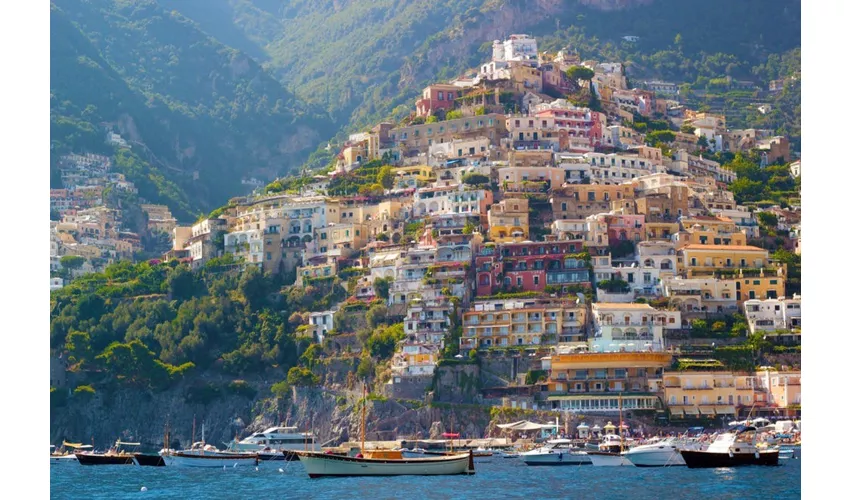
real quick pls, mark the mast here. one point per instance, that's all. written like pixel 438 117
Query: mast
pixel 193 429
pixel 621 413
pixel 363 422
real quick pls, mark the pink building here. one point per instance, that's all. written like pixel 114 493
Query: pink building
pixel 623 227
pixel 438 96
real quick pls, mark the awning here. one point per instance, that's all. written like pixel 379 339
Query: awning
pixel 707 411
pixel 725 410
pixel 677 412
pixel 524 425
pixel 691 410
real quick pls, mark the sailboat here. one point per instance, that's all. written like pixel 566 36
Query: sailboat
pixel 115 455
pixel 382 462
pixel 206 455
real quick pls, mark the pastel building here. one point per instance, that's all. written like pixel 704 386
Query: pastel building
pixel 630 327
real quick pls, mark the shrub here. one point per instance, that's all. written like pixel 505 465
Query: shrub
pixel 84 391
pixel 280 389
pixel 241 388
pixel 301 377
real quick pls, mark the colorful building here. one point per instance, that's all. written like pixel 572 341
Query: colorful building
pixel 508 220
pixel 522 322
pixel 530 266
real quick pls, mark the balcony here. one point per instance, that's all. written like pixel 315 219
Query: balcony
pixel 701 387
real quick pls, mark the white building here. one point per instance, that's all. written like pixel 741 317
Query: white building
pixel 795 168
pixel 321 323
pixel 56 283
pixel 616 168
pixel 515 48
pixel 448 199
pixel 247 244
pixel 773 314
pixel 630 327
pixel 415 359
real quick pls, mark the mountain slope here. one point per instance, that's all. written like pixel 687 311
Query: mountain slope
pixel 203 114
pixel 361 60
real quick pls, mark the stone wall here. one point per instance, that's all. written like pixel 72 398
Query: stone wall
pixel 408 387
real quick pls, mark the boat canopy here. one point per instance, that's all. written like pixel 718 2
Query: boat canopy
pixel 76 445
pixel 525 425
pixel 124 443
pixel 451 435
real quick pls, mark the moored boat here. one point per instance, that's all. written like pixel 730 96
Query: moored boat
pixel 64 455
pixel 663 453
pixel 556 452
pixel 115 456
pixel 148 460
pixel 274 455
pixel 732 449
pixel 610 453
pixel 277 438
pixel 208 456
pixel 323 464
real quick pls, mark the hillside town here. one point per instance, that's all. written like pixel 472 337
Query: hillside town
pixel 599 243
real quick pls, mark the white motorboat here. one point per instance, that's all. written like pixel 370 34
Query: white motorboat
pixel 610 453
pixel 734 448
pixel 555 452
pixel 277 439
pixel 205 455
pixel 380 464
pixel 663 453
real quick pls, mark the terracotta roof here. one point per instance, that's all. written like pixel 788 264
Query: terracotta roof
pixel 697 246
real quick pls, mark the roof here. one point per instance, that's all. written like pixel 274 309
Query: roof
pixel 614 305
pixel 697 246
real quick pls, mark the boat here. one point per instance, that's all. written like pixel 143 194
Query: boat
pixel 382 462
pixel 734 448
pixel 149 459
pixel 277 438
pixel 114 456
pixel 555 452
pixel 63 455
pixel 208 456
pixel 610 453
pixel 663 453
pixel 269 455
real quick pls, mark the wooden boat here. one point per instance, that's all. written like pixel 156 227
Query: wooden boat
pixel 383 462
pixel 732 449
pixel 208 456
pixel 115 456
pixel 148 460
pixel 64 455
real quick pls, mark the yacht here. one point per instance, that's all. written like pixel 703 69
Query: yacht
pixel 610 453
pixel 556 452
pixel 662 453
pixel 277 439
pixel 734 448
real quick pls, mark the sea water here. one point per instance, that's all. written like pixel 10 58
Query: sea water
pixel 495 477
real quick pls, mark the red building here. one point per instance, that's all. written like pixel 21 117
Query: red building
pixel 438 96
pixel 625 227
pixel 529 266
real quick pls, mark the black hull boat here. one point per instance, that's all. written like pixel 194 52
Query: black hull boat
pixel 103 459
pixel 735 448
pixel 705 459
pixel 146 460
pixel 271 456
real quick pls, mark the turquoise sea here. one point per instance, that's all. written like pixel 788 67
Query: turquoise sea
pixel 494 478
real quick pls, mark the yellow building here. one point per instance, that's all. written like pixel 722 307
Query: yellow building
pixel 707 258
pixel 661 230
pixel 508 220
pixel 701 236
pixel 710 223
pixel 693 394
pixel 413 176
pixel 593 381
pixel 520 322
pixel 778 392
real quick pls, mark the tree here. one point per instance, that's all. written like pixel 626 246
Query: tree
pixel 301 377
pixel 580 73
pixel 382 342
pixel 718 327
pixel 767 219
pixel 366 367
pixel 71 262
pixel 382 287
pixel 431 119
pixel 666 136
pixel 376 315
pixel 699 328
pixel 687 129
pixel 475 179
pixel 454 114
pixel 468 228
pixel 78 345
pixel 746 190
pixel 182 283
pixel 386 177
pixel 253 287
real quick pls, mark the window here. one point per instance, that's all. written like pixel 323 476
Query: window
pixel 519 281
pixel 439 96
pixel 451 95
pixel 564 207
pixel 537 280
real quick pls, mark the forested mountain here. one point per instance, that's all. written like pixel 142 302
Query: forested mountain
pixel 199 115
pixel 362 60
pixel 184 80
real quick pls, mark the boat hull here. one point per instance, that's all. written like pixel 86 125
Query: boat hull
pixel 92 459
pixel 324 465
pixel 210 461
pixel 556 459
pixel 286 455
pixel 656 458
pixel 144 460
pixel 704 459
pixel 63 459
pixel 601 459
